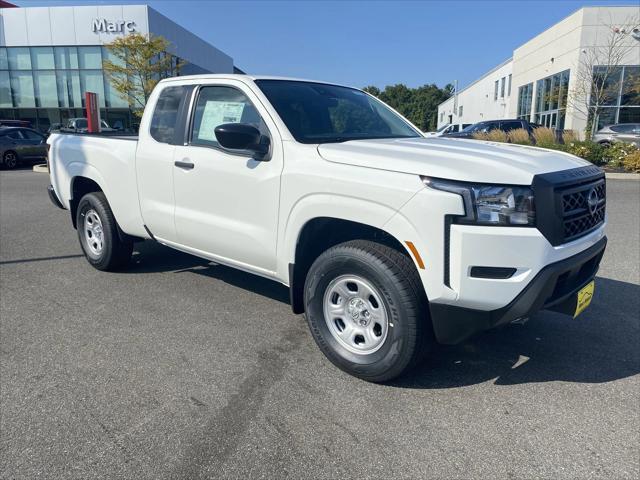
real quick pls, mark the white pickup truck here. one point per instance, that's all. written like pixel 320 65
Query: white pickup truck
pixel 388 241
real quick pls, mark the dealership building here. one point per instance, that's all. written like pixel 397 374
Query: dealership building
pixel 51 56
pixel 545 80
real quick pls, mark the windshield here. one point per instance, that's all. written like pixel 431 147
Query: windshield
pixel 320 113
pixel 442 128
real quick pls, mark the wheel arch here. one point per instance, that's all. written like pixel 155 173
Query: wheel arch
pixel 80 186
pixel 320 233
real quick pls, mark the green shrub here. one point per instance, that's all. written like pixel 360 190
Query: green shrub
pixel 632 162
pixel 588 150
pixel 519 136
pixel 616 154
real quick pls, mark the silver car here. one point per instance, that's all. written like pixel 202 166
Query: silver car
pixel 620 132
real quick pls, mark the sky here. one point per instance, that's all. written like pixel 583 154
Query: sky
pixel 362 43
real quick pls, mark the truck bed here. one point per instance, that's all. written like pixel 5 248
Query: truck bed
pixel 108 160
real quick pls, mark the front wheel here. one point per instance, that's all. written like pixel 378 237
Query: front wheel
pixel 367 310
pixel 98 234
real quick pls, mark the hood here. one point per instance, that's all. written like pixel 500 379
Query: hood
pixel 453 159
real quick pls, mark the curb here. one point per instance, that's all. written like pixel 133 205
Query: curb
pixel 622 176
pixel 41 168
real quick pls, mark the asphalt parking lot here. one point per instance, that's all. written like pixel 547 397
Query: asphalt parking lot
pixel 179 368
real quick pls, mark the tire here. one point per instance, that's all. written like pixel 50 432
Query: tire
pixel 605 144
pixel 10 160
pixel 377 271
pixel 98 234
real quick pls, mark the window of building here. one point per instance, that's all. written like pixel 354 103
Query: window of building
pixel 66 58
pixel 551 100
pixel 502 85
pixel 441 116
pixel 525 97
pixel 509 87
pixel 46 85
pixel 218 105
pixel 619 100
pixel 4 61
pixel 460 111
pixel 165 115
pixel 19 58
pixel 45 88
pixel 22 89
pixel 90 57
pixel 42 58
pixel 495 90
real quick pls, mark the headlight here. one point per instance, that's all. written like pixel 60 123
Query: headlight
pixel 491 204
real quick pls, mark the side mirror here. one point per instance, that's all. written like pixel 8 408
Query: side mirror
pixel 241 136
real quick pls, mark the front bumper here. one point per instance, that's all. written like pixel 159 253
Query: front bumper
pixel 554 288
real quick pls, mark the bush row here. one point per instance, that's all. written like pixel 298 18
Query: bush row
pixel 620 155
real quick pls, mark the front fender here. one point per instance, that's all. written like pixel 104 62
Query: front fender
pixel 323 205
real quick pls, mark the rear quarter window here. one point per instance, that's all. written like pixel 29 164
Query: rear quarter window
pixel 165 114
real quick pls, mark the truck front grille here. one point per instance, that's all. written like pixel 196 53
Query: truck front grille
pixel 570 203
pixel 583 209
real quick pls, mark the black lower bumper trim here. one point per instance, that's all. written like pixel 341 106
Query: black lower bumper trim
pixel 553 288
pixel 54 198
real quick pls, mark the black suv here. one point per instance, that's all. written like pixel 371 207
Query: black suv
pixel 486 126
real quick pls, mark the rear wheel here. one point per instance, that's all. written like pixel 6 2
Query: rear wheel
pixel 367 311
pixel 98 234
pixel 10 159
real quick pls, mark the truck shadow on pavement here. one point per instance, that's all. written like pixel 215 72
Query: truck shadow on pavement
pixel 152 257
pixel 601 345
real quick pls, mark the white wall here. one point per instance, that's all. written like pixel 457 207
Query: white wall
pixel 478 99
pixel 47 26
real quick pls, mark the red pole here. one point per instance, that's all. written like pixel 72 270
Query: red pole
pixel 93 114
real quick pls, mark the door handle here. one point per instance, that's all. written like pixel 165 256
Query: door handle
pixel 183 164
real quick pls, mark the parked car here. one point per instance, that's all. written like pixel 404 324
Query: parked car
pixel 54 127
pixel 21 144
pixel 388 241
pixel 486 126
pixel 620 132
pixel 81 125
pixel 15 123
pixel 447 129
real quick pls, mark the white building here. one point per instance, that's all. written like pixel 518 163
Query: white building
pixel 50 56
pixel 544 83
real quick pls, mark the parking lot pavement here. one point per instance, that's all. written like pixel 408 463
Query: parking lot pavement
pixel 179 368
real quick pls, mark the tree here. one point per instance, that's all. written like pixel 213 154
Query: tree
pixel 419 105
pixel 137 64
pixel 599 73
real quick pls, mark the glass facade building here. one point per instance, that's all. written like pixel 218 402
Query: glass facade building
pixel 51 56
pixel 46 85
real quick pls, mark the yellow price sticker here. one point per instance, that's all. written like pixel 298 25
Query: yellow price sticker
pixel 584 298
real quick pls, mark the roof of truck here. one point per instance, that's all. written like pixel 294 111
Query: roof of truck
pixel 241 77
